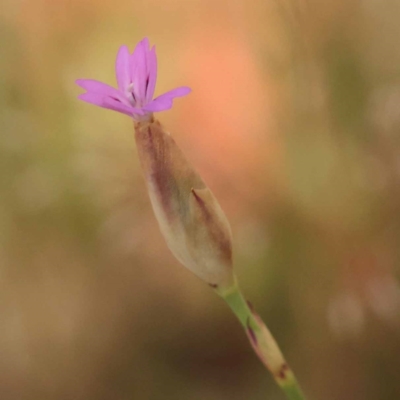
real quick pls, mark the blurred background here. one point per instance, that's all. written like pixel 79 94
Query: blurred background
pixel 293 122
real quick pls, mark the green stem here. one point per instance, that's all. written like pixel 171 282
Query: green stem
pixel 263 342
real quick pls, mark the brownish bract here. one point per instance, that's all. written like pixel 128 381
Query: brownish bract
pixel 190 218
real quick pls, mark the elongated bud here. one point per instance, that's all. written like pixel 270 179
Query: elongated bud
pixel 267 349
pixel 194 226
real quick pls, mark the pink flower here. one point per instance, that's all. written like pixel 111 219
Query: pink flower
pixel 136 76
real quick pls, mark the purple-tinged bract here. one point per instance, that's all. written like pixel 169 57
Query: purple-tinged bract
pixel 136 77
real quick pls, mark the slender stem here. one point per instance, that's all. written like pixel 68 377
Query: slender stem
pixel 263 342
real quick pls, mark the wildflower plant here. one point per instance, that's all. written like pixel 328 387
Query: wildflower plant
pixel 190 218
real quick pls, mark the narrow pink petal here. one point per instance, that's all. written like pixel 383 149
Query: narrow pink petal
pixel 152 73
pixel 164 102
pixel 109 103
pixel 117 106
pixel 146 44
pixel 178 92
pixel 139 69
pixel 97 87
pixel 122 70
pixel 159 104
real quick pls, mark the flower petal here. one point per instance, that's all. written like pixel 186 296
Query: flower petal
pixel 151 74
pixel 109 103
pixel 177 92
pixel 161 104
pixel 97 87
pixel 164 102
pixel 139 70
pixel 122 69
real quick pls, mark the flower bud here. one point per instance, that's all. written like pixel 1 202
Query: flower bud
pixel 193 224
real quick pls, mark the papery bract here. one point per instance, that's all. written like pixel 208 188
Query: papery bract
pixel 190 217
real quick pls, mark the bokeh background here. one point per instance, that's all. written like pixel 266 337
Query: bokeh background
pixel 293 122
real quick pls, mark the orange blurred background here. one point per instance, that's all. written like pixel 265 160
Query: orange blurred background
pixel 293 122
